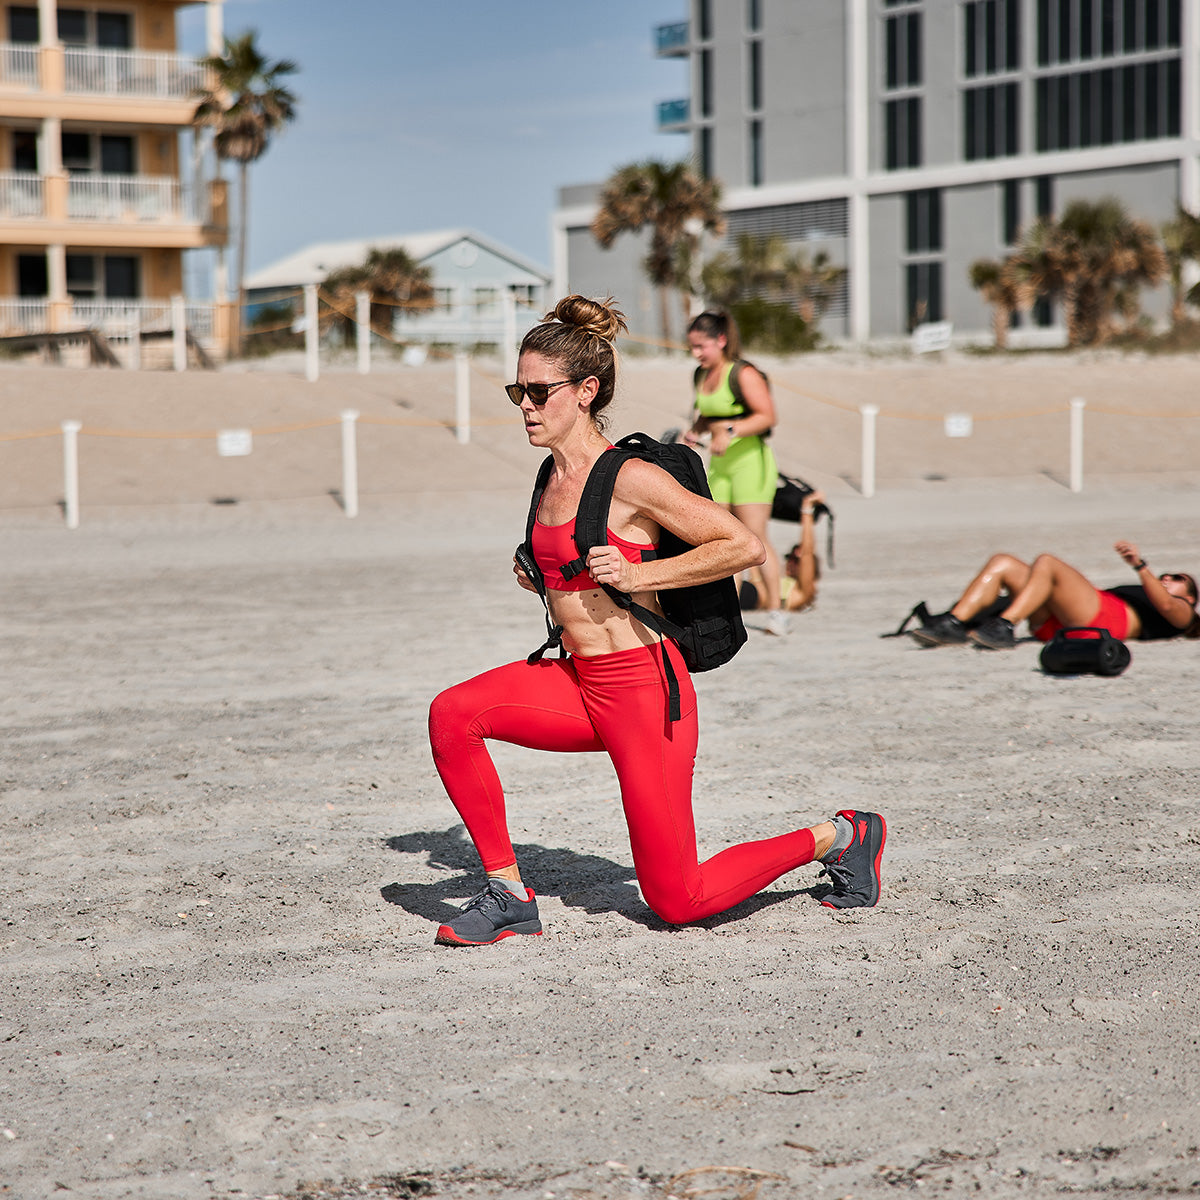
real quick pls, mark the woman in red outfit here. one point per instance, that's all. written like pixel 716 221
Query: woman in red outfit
pixel 1051 594
pixel 610 694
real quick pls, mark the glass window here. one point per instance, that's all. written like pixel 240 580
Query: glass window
pixel 706 152
pixel 23 29
pixel 117 155
pixel 121 277
pixel 73 26
pixel 991 124
pixel 1011 219
pixel 756 153
pixel 24 150
pixel 754 15
pixel 114 31
pixel 81 275
pixel 32 278
pixel 77 151
pixel 706 83
pixel 754 64
pixel 902 133
pixel 924 293
pixel 903 51
pixel 704 19
pixel 1044 195
pixel 923 212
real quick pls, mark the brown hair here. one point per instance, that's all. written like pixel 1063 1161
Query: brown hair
pixel 715 323
pixel 578 335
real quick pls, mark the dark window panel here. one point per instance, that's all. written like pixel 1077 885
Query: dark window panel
pixel 1150 99
pixel 1062 105
pixel 704 18
pixel 1129 112
pixel 1108 27
pixel 706 83
pixel 1012 122
pixel 1012 35
pixel 73 26
pixel 913 34
pixel 23 28
pixel 1087 28
pixel 1042 114
pixel 1044 189
pixel 1064 31
pixel 1012 212
pixel 1154 31
pixel 1107 134
pixel 1174 32
pixel 1174 99
pixel 1043 33
pixel 114 31
pixel 756 75
pixel 1131 27
pixel 970 68
pixel 991 26
pixel 892 69
pixel 970 117
pixel 32 276
pixel 117 155
pixel 24 150
pixel 989 119
pixel 121 277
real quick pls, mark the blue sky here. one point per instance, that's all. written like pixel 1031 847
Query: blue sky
pixel 431 114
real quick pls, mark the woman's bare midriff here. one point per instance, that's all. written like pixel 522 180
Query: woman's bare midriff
pixel 593 624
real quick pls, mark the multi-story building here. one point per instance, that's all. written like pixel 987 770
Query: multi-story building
pixel 101 189
pixel 908 138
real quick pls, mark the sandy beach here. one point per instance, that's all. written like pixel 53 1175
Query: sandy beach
pixel 226 850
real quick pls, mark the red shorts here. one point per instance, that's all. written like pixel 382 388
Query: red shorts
pixel 1111 615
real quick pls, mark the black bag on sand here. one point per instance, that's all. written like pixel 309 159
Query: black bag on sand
pixel 1085 650
pixel 790 494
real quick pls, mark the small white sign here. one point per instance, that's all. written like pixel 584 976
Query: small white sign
pixel 232 443
pixel 935 335
pixel 958 425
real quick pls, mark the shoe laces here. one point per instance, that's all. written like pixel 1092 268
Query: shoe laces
pixel 495 895
pixel 839 875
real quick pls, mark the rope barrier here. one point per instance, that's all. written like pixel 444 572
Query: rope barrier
pixel 25 437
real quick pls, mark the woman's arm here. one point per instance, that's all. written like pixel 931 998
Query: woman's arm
pixel 643 494
pixel 1174 609
pixel 805 591
pixel 758 418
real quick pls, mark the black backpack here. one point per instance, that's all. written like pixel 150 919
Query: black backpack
pixel 705 620
pixel 735 386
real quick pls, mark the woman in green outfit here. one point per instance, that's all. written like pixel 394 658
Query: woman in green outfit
pixel 741 471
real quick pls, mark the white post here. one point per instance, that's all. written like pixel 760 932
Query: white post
pixel 312 361
pixel 349 463
pixel 510 336
pixel 135 339
pixel 362 330
pixel 179 333
pixel 70 431
pixel 1077 407
pixel 869 413
pixel 462 397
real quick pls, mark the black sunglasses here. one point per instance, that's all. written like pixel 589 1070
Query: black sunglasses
pixel 538 393
pixel 1176 577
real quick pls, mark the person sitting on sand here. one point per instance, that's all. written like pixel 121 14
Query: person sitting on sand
pixel 801 567
pixel 610 694
pixel 1051 595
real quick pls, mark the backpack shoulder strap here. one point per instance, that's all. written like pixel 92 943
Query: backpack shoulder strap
pixel 539 486
pixel 528 563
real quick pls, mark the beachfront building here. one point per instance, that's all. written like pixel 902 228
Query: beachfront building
pixel 484 293
pixel 103 186
pixel 908 138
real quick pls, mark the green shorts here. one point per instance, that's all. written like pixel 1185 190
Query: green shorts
pixel 745 474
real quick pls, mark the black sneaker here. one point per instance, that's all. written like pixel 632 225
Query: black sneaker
pixel 854 874
pixel 494 914
pixel 942 629
pixel 994 634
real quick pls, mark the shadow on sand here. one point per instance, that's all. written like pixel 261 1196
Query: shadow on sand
pixel 584 881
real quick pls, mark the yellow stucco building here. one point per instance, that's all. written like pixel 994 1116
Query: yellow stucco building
pixel 100 195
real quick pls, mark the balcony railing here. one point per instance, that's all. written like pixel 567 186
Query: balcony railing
pixel 119 318
pixel 133 73
pixel 136 198
pixel 22 194
pixel 23 316
pixel 670 40
pixel 673 114
pixel 19 64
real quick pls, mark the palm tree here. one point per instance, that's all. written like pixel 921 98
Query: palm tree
pixel 392 279
pixel 245 105
pixel 1095 256
pixel 812 281
pixel 1181 244
pixel 1000 286
pixel 675 202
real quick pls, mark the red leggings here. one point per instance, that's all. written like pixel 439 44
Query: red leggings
pixel 615 703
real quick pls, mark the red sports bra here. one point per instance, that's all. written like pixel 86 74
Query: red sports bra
pixel 554 546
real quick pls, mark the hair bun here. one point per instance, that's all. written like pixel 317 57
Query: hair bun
pixel 602 319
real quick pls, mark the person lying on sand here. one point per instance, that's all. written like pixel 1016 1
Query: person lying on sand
pixel 1051 595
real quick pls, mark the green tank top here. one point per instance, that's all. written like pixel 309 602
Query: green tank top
pixel 722 402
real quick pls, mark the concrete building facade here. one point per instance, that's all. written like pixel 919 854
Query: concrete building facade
pixel 103 186
pixel 908 138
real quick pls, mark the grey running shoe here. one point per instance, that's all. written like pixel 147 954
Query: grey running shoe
pixel 854 873
pixel 492 915
pixel 994 634
pixel 942 629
